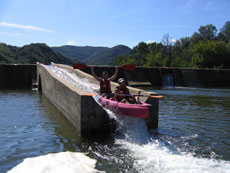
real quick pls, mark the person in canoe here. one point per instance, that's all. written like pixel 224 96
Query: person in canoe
pixel 105 87
pixel 122 93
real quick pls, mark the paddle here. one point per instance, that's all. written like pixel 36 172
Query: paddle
pixel 153 96
pixel 128 67
pixel 142 95
pixel 79 66
pixel 125 67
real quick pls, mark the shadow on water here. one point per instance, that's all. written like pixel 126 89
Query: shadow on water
pixel 66 135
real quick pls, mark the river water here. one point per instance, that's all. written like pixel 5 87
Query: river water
pixel 193 134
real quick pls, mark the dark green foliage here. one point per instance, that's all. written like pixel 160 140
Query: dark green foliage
pixel 204 49
pixel 211 54
pixel 7 53
pixel 78 52
pixel 93 55
pixel 208 32
pixel 30 54
pixel 224 34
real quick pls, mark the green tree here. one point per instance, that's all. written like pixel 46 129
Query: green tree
pixel 167 45
pixel 142 48
pixel 224 34
pixel 226 61
pixel 196 37
pixel 208 54
pixel 139 52
pixel 155 47
pixel 154 60
pixel 208 32
pixel 180 45
pixel 31 54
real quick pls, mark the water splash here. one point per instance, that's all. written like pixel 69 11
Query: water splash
pixel 149 153
pixel 154 155
pixel 57 162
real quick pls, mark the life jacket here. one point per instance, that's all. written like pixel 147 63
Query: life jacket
pixel 122 90
pixel 105 86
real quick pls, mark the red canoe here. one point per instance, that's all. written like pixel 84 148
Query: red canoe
pixel 134 110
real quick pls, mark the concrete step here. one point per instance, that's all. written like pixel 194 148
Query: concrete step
pixel 136 78
pixel 34 86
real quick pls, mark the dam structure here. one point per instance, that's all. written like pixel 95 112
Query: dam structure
pixel 60 84
pixel 158 77
pixel 66 88
pixel 15 76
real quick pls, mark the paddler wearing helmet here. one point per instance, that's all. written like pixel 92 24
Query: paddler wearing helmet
pixel 122 93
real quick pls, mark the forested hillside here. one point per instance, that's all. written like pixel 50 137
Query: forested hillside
pixel 30 54
pixel 206 48
pixel 93 55
pixel 78 52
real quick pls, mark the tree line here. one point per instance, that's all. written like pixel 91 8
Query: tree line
pixel 30 54
pixel 206 48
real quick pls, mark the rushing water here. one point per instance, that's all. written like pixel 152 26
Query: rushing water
pixel 193 133
pixel 197 121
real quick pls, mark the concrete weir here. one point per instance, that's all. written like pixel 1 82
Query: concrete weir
pixel 17 76
pixel 83 111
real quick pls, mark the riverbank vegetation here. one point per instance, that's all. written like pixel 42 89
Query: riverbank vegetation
pixel 92 55
pixel 30 54
pixel 206 48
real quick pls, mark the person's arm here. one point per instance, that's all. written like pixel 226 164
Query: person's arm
pixel 114 76
pixel 94 75
pixel 115 94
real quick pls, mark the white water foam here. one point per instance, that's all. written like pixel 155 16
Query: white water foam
pixel 151 155
pixel 57 162
pixel 80 83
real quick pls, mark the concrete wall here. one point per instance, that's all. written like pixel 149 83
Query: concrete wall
pixel 82 111
pixel 17 76
pixel 184 77
pixel 22 76
pixel 191 77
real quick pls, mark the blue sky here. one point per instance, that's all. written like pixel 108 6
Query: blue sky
pixel 106 22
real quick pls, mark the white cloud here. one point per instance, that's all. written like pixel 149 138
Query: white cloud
pixel 172 40
pixel 27 27
pixel 150 41
pixel 71 43
pixel 11 34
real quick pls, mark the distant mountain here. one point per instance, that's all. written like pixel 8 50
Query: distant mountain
pixel 30 54
pixel 93 55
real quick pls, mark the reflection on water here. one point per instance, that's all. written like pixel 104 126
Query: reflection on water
pixel 30 126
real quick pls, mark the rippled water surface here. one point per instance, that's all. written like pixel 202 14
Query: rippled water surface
pixel 193 133
pixel 196 120
pixel 30 126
